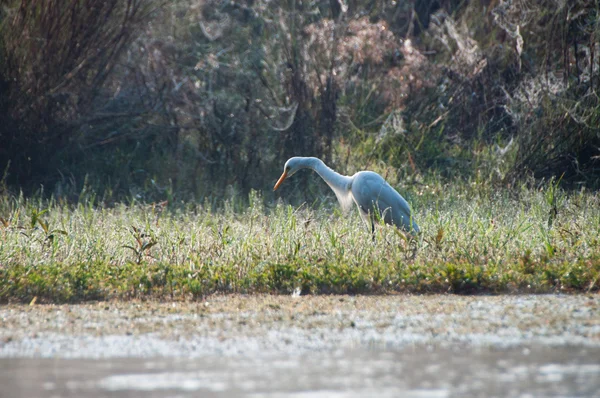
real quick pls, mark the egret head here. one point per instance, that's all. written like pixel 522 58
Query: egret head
pixel 291 167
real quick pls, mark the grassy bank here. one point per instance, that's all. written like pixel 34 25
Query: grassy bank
pixel 473 241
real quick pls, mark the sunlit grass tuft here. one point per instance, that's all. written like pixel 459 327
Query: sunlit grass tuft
pixel 473 241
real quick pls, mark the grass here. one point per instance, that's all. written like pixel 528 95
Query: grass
pixel 474 240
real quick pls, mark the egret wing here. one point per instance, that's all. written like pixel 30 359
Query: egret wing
pixel 374 195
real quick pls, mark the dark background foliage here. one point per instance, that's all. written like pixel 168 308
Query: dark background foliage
pixel 205 99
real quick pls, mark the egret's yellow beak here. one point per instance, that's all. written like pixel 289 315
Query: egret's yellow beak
pixel 278 183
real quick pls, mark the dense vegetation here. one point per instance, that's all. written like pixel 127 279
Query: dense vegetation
pixel 473 241
pixel 140 141
pixel 195 99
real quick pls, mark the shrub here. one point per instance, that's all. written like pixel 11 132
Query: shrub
pixel 56 56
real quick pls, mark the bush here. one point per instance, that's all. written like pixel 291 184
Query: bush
pixel 56 56
pixel 212 97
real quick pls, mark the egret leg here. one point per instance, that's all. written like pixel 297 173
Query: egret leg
pixel 413 244
pixel 373 230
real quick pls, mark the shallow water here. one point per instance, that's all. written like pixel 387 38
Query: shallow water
pixel 308 346
pixel 418 371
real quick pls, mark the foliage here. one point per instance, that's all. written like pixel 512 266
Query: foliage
pixel 56 57
pixel 206 99
pixel 474 240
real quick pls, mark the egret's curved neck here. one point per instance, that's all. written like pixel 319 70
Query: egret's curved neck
pixel 338 183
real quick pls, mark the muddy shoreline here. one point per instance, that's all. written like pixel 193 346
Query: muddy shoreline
pixel 246 325
pixel 312 347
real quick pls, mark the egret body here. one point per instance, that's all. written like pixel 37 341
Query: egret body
pixel 373 196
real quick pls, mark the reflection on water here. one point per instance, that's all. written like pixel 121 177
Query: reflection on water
pixel 411 372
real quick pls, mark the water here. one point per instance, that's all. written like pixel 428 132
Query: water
pixel 418 371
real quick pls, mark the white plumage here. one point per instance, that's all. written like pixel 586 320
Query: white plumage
pixel 373 196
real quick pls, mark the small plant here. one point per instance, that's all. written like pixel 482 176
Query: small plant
pixel 143 243
pixel 439 237
pixel 36 219
pixel 554 198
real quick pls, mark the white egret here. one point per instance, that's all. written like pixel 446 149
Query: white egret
pixel 373 196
